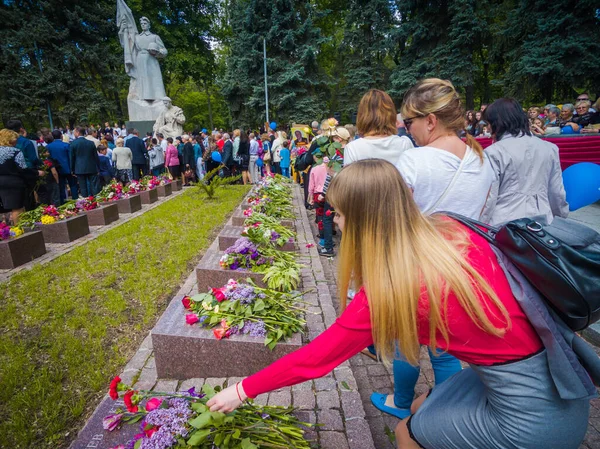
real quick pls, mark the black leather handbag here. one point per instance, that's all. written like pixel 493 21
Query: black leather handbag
pixel 561 260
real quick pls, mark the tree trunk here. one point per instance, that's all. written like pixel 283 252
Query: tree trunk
pixel 210 117
pixel 470 96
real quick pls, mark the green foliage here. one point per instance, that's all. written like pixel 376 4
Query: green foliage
pixel 213 182
pixel 296 82
pixel 67 326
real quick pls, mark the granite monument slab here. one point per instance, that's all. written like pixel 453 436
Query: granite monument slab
pixel 165 190
pixel 149 196
pixel 238 220
pixel 21 250
pixel 103 215
pixel 184 351
pixel 130 204
pixel 65 231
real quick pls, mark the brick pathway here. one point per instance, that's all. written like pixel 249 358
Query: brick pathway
pixel 54 250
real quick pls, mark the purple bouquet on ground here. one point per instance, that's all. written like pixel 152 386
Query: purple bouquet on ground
pixel 244 254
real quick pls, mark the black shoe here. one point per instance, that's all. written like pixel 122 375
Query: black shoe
pixel 326 252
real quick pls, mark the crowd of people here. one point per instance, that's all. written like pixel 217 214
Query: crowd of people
pixel 415 276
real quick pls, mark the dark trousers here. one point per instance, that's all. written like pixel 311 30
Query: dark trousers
pixel 62 187
pixel 137 169
pixel 88 184
pixel 306 181
pixel 328 226
pixel 277 168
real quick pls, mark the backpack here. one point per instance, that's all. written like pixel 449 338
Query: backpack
pixel 303 161
pixel 561 260
pixel 267 155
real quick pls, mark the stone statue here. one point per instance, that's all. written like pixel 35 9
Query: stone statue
pixel 170 121
pixel 141 53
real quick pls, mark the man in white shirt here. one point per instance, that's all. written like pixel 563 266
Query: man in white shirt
pixel 92 135
pixel 163 142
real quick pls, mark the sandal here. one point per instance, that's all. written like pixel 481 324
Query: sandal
pixel 378 401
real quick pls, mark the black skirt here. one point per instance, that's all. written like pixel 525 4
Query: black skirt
pixel 12 192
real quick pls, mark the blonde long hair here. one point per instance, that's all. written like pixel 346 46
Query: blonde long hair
pixel 438 97
pixel 396 253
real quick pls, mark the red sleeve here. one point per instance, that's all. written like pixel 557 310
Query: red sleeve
pixel 350 334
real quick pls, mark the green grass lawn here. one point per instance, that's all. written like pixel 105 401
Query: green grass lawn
pixel 70 325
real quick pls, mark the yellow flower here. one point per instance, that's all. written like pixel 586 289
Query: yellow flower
pixel 332 122
pixel 217 308
pixel 307 130
pixel 17 231
pixel 206 306
pixel 48 219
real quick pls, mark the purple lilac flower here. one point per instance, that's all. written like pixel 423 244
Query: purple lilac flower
pixel 234 266
pixel 274 236
pixel 242 293
pixel 5 233
pixel 255 255
pixel 203 318
pixel 172 422
pixel 255 328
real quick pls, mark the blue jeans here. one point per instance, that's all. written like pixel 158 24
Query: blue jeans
pixel 406 376
pixel 285 171
pixel 158 170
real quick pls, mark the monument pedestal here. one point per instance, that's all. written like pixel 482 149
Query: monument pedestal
pixel 143 127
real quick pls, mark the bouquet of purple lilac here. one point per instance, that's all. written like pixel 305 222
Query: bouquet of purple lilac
pixel 243 254
pixel 247 309
pixel 180 420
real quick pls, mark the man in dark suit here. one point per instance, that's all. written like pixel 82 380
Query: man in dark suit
pixel 85 163
pixel 140 155
pixel 61 152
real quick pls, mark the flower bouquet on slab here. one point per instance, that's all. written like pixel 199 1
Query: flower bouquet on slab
pixel 44 215
pixel 7 232
pixel 113 191
pixel 244 308
pixel 182 420
pixel 262 229
pixel 280 269
pixel 150 182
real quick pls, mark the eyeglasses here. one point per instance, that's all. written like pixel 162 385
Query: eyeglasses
pixel 408 121
pixel 581 107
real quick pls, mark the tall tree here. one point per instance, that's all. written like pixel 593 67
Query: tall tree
pixel 550 51
pixel 367 49
pixel 63 54
pixel 296 83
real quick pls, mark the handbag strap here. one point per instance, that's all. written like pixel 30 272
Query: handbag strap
pixel 451 184
pixel 488 232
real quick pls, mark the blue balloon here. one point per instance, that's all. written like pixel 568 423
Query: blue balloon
pixel 216 156
pixel 582 184
pixel 273 126
pixel 567 130
pixel 259 162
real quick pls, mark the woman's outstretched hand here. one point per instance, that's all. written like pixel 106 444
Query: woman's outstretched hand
pixel 228 399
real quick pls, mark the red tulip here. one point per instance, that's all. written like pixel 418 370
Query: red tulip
pixel 153 404
pixel 218 294
pixel 191 318
pixel 187 302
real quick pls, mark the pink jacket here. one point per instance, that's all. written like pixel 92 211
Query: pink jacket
pixel 317 179
pixel 171 156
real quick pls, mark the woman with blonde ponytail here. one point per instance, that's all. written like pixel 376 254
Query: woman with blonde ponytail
pixel 445 174
pixel 427 280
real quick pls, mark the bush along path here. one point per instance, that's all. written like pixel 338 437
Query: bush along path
pixel 67 326
pixel 332 402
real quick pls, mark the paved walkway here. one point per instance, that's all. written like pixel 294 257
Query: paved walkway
pixel 54 250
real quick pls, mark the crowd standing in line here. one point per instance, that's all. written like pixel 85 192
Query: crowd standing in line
pixel 414 276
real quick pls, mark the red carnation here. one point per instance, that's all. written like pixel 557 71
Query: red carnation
pixel 151 431
pixel 131 407
pixel 112 391
pixel 187 302
pixel 328 213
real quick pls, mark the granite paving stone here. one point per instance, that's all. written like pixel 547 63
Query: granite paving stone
pixel 330 420
pixel 333 440
pixel 328 399
pixel 304 399
pixel 166 385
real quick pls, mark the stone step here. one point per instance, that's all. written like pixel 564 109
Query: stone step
pixel 229 235
pixel 184 351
